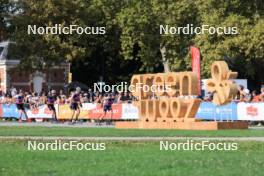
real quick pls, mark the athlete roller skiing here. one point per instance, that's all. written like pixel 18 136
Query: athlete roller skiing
pixel 75 105
pixel 107 105
pixel 51 99
pixel 19 101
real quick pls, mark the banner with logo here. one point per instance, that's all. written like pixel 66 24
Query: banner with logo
pixel 129 111
pixel 64 111
pixel 9 111
pixel 39 112
pixel 209 111
pixel 206 111
pixel 98 112
pixel 250 111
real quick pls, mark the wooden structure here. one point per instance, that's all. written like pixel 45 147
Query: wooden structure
pixel 167 100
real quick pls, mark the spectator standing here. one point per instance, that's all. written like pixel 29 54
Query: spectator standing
pixel 247 96
pixel 91 96
pixel 240 93
pixel 43 99
pixel 13 92
pixel 261 95
pixel 255 97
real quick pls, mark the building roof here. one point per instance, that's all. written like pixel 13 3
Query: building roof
pixel 5 48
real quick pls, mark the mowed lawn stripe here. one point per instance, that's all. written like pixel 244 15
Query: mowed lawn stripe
pixel 112 132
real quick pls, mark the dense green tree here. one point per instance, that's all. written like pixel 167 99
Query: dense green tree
pixel 245 51
pixel 38 49
pixel 140 23
pixel 133 34
pixel 5 13
pixel 49 49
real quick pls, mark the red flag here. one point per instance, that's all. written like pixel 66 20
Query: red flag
pixel 196 65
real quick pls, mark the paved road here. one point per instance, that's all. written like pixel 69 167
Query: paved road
pixel 78 125
pixel 49 124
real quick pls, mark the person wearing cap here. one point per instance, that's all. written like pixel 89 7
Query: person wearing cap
pixel 261 95
pixel 51 99
pixel 75 104
pixel 19 101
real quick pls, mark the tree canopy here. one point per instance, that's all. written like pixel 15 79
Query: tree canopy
pixel 5 13
pixel 133 36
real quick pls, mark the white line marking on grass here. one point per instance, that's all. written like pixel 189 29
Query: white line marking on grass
pixel 47 138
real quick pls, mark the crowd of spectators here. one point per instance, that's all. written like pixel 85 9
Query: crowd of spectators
pixel 243 95
pixel 33 100
pixel 37 99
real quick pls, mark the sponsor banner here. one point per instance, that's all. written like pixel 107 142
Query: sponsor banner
pixel 1 111
pixel 39 112
pixel 250 111
pixel 66 113
pixel 85 108
pixel 129 111
pixel 209 111
pixel 206 111
pixel 10 111
pixel 98 112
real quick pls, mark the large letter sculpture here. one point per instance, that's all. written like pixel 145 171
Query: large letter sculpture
pixel 168 100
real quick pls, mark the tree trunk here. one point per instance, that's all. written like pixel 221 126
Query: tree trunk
pixel 165 62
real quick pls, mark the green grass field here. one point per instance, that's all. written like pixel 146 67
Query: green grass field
pixel 102 132
pixel 131 158
pixel 128 158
